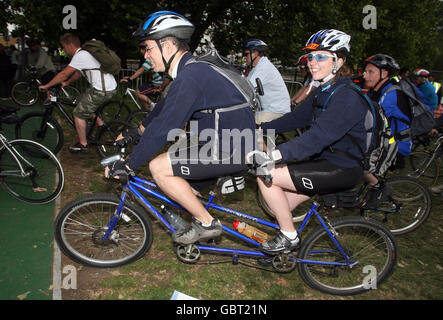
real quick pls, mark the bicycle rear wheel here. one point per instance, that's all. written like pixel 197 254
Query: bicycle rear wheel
pixel 24 94
pixel 81 225
pixel 423 168
pixel 43 179
pixel 40 128
pixel 409 207
pixel 368 244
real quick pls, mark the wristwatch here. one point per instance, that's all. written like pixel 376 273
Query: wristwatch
pixel 276 155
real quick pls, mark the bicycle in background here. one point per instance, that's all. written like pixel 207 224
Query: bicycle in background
pixel 29 171
pixel 26 93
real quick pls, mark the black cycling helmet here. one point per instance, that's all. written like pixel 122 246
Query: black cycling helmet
pixel 255 44
pixel 383 61
pixel 162 24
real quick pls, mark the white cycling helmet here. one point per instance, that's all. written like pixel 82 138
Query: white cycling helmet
pixel 330 40
pixel 334 41
pixel 162 24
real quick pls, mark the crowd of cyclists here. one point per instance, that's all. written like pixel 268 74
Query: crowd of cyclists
pixel 324 159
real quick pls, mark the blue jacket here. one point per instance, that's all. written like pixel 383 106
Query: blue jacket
pixel 392 103
pixel 197 87
pixel 344 115
pixel 431 97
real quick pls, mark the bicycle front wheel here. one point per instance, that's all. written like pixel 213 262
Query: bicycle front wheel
pixel 42 178
pixel 106 136
pixel 24 94
pixel 69 95
pixel 298 214
pixel 369 245
pixel 81 225
pixel 409 207
pixel 114 110
pixel 40 128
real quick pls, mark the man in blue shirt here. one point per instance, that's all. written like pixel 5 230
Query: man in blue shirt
pixel 276 101
pixel 208 100
pixel 420 79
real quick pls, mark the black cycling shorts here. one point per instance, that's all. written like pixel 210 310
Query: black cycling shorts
pixel 322 177
pixel 191 164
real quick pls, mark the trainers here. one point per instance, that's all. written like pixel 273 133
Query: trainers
pixel 280 243
pixel 377 194
pixel 78 147
pixel 197 232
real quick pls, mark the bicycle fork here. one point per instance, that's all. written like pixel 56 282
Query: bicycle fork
pixel 332 233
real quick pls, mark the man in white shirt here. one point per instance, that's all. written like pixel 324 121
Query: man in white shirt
pixel 83 63
pixel 275 101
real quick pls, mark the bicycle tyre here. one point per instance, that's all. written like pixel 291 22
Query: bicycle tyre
pixel 296 217
pixel 47 131
pixel 40 163
pixel 415 202
pixel 418 161
pixel 106 136
pixel 80 225
pixel 69 95
pixel 366 241
pixel 24 94
pixel 114 110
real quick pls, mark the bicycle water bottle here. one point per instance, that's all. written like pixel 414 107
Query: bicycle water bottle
pixel 174 219
pixel 251 232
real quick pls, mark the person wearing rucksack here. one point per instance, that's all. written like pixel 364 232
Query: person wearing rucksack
pixel 102 89
pixel 420 78
pixel 379 70
pixel 275 101
pixel 205 98
pixel 329 154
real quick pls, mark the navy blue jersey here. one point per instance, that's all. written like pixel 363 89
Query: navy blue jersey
pixel 330 127
pixel 196 89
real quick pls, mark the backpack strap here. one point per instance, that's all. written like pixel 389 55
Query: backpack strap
pixel 361 161
pixel 101 74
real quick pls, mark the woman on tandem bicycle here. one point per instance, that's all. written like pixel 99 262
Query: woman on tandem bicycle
pixel 328 142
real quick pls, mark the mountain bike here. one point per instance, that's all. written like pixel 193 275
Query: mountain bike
pixel 404 211
pixel 29 171
pixel 44 128
pixel 109 230
pixel 120 110
pixel 26 93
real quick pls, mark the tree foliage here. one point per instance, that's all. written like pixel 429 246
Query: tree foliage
pixel 410 31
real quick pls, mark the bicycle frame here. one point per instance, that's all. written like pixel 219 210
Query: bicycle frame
pixel 137 184
pixel 16 155
pixel 130 92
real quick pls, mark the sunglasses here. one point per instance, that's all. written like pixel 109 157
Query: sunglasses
pixel 319 56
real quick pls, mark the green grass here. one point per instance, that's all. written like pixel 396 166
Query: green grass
pixel 418 274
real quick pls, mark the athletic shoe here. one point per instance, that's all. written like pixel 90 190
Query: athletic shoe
pixel 197 232
pixel 78 147
pixel 280 243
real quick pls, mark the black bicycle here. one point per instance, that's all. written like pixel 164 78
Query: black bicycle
pixel 43 127
pixel 26 93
